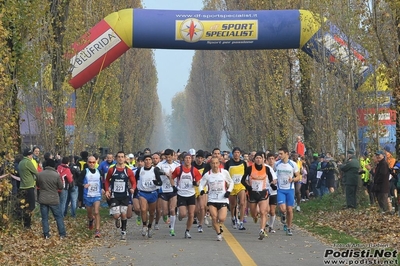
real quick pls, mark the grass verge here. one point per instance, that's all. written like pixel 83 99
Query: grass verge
pixel 315 208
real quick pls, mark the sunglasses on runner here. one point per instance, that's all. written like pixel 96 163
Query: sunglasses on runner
pixel 91 162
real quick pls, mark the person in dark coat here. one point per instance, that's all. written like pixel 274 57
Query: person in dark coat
pixel 49 182
pixel 351 178
pixel 381 181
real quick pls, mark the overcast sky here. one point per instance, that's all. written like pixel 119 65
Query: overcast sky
pixel 172 79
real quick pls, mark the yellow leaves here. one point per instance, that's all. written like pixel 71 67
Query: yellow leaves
pixel 5 217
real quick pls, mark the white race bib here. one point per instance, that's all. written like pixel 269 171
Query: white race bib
pixel 119 186
pixel 256 185
pixel 148 183
pixel 93 189
pixel 166 186
pixel 185 183
pixel 215 190
pixel 213 195
pixel 237 179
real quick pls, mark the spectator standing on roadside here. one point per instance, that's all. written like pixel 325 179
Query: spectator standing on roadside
pixel 27 172
pixel 328 169
pixel 381 181
pixel 73 189
pixel 366 177
pixel 66 178
pixel 50 183
pixel 351 177
pixel 300 147
pixel 312 175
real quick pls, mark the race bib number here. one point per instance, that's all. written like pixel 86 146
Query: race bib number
pixel 119 186
pixel 237 179
pixel 215 189
pixel 256 185
pixel 93 189
pixel 213 195
pixel 166 185
pixel 148 183
pixel 185 183
pixel 285 181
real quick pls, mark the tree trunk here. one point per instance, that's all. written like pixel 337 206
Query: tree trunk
pixel 59 13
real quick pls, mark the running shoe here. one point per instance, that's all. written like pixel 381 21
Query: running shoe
pixel 150 233
pixel 284 227
pixel 144 231
pixel 123 235
pixel 138 220
pixel 219 237
pixel 241 227
pixel 261 235
pixel 187 234
pixel 97 234
pixel 298 208
pixel 156 227
pixel 270 230
pixel 200 229
pixel 289 232
pixel 172 232
pixel 234 226
pixel 195 221
pixel 91 224
pixel 165 218
pixel 206 222
pixel 255 219
pixel 118 222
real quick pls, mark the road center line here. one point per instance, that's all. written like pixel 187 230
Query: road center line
pixel 241 254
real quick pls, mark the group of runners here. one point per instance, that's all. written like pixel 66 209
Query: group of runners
pixel 161 186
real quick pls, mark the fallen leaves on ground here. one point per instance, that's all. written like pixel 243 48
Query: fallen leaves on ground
pixel 368 225
pixel 19 246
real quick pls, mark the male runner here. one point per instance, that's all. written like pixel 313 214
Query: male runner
pixel 220 185
pixel 118 191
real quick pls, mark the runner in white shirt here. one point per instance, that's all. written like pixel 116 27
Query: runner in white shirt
pixel 217 180
pixel 288 173
pixel 186 177
pixel 167 191
pixel 148 178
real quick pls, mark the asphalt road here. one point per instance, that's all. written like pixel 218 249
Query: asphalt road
pixel 237 247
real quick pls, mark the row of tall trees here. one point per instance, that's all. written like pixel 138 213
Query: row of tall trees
pixel 263 99
pixel 258 99
pixel 118 109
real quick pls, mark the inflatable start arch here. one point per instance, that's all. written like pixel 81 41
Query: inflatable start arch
pixel 229 30
pixel 213 30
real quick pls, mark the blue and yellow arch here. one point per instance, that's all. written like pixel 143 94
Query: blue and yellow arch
pixel 224 30
pixel 213 30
